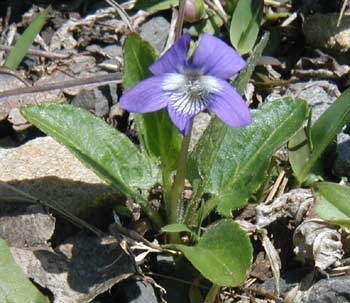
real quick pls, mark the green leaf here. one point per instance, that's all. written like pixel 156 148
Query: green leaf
pixel 223 254
pixel 176 228
pixel 332 202
pixel 232 163
pixel 230 6
pixel 242 80
pixel 109 153
pixel 325 130
pixel 154 6
pixel 211 25
pixel 157 133
pixel 299 153
pixel 26 40
pixel 245 24
pixel 14 285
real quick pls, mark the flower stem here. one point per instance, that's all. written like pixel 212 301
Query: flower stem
pixel 212 294
pixel 179 182
pixel 167 187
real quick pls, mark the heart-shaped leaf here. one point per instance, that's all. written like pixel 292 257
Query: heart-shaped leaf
pixel 223 254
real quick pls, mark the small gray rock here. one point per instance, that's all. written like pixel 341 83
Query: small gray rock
pixel 92 100
pixel 139 292
pixel 288 281
pixel 324 6
pixel 155 31
pixel 318 94
pixel 321 31
pixel 333 290
pixel 341 166
pixel 22 227
pixel 48 171
pixel 113 50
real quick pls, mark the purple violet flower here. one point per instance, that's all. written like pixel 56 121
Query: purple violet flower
pixel 188 87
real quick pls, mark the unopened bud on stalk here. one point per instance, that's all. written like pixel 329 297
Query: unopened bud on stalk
pixel 194 10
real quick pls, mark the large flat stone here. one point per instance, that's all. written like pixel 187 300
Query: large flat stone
pixel 48 171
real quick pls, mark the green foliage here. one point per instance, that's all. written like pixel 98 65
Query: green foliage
pixel 109 153
pixel 176 228
pixel 26 40
pixel 332 203
pixel 242 80
pixel 321 135
pixel 299 152
pixel 14 285
pixel 157 133
pixel 223 254
pixel 232 163
pixel 154 6
pixel 230 6
pixel 211 24
pixel 245 24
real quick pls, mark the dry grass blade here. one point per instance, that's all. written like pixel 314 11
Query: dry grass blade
pixel 122 13
pixel 342 11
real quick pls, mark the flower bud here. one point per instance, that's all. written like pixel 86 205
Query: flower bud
pixel 194 10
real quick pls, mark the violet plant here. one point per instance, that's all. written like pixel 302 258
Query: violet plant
pixel 227 166
pixel 188 86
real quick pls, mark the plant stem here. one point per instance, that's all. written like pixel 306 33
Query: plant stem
pixel 150 212
pixel 212 294
pixel 179 182
pixel 172 201
pixel 167 187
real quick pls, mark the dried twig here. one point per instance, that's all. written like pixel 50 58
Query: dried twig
pixel 117 228
pixel 122 13
pixel 8 71
pixel 180 20
pixel 217 7
pixel 36 52
pixel 95 80
pixel 171 37
pixel 275 186
pixel 277 4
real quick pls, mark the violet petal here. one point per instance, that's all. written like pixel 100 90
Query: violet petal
pixel 229 106
pixel 217 58
pixel 181 120
pixel 174 59
pixel 146 96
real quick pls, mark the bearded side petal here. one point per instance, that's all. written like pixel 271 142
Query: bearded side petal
pixel 146 96
pixel 229 106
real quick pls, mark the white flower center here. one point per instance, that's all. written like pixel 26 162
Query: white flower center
pixel 190 92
